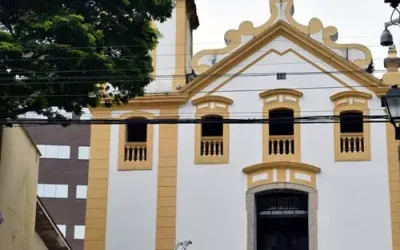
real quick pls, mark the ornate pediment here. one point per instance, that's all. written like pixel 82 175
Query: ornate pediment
pixel 282 10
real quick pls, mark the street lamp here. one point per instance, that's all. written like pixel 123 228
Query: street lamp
pixel 393 3
pixel 392 104
pixel 386 37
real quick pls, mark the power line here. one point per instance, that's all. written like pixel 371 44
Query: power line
pixel 189 92
pixel 232 114
pixel 296 120
pixel 67 48
pixel 127 69
pixel 161 68
pixel 118 57
pixel 167 77
pixel 127 57
pixel 183 92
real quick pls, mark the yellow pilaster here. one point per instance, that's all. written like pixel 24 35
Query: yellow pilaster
pixel 97 193
pixel 167 180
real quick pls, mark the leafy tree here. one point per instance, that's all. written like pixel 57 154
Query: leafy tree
pixel 56 52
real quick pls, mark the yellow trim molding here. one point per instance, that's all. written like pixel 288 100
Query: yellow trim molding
pixel 282 10
pixel 97 194
pixel 281 99
pixel 135 165
pixel 348 94
pixel 166 182
pixel 278 172
pixel 274 92
pixel 207 99
pixel 394 183
pixel 282 28
pixel 205 106
pixel 331 75
pixel 351 101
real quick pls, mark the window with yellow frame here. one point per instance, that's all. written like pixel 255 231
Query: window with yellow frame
pixel 211 136
pixel 135 142
pixel 351 133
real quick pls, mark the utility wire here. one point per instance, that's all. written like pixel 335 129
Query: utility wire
pixel 167 77
pixel 67 48
pixel 123 57
pixel 149 95
pixel 170 76
pixel 296 120
pixel 161 68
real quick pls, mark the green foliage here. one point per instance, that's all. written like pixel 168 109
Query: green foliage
pixel 54 53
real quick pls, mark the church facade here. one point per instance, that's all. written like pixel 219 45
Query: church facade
pixel 277 185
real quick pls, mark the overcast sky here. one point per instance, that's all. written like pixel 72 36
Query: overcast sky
pixel 358 21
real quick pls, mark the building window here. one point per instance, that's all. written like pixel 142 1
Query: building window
pixel 52 191
pixel 81 191
pixel 79 232
pixel 136 142
pixel 136 138
pixel 55 151
pixel 63 229
pixel 351 122
pixel 281 136
pixel 352 134
pixel 212 136
pixel 83 153
pixel 281 132
pixel 212 131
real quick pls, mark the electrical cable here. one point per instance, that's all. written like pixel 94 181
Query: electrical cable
pixel 67 48
pixel 295 120
pixel 188 92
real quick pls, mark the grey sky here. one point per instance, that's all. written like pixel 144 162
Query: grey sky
pixel 358 21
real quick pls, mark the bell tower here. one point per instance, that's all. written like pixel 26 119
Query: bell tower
pixel 173 55
pixel 186 21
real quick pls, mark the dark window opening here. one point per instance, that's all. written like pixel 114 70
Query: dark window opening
pixel 281 122
pixel 136 132
pixel 351 122
pixel 212 126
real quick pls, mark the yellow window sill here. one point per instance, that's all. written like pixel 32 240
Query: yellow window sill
pixel 131 166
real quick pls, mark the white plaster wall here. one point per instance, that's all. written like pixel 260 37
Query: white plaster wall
pixel 132 200
pixel 353 196
pixel 165 64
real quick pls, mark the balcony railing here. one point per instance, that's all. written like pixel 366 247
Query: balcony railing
pixel 135 152
pixel 352 143
pixel 281 145
pixel 212 146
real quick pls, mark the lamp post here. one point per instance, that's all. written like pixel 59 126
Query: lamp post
pixel 392 104
pixel 386 37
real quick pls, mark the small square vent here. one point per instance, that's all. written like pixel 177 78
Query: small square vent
pixel 281 76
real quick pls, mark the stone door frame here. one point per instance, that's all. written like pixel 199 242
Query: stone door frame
pixel 251 211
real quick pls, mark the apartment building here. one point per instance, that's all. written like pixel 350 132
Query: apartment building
pixel 63 176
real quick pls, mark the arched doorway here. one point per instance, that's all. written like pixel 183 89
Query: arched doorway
pixel 282 220
pixel 282 216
